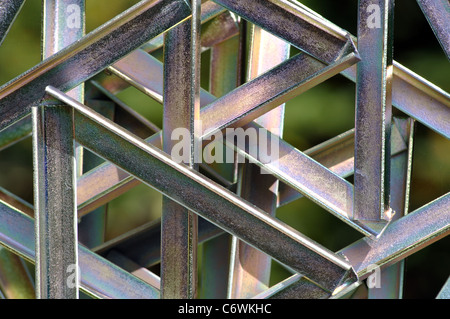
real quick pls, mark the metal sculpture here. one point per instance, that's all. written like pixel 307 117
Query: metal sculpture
pixel 64 102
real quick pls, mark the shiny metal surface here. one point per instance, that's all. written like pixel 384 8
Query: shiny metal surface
pixel 218 233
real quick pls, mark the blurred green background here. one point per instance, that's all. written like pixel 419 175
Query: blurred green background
pixel 313 117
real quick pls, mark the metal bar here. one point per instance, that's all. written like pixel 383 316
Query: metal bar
pixel 55 202
pixel 143 244
pixel 113 178
pixel 402 237
pixel 64 24
pixel 373 113
pixel 337 154
pixel 104 46
pixel 294 287
pixel 412 94
pixel 99 277
pixel 308 177
pixel 146 74
pixel 218 30
pixel 138 271
pixel 55 169
pixel 209 200
pixel 250 271
pixel 224 70
pixel 273 88
pixel 437 13
pixel 9 10
pixel 291 22
pixel 13 200
pixel 179 226
pixel 391 281
pixel 418 98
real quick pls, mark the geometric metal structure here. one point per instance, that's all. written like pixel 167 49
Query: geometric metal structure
pixel 67 103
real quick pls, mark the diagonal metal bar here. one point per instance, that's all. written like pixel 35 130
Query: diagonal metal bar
pixel 211 201
pixel 291 22
pixel 438 14
pixel 270 90
pixel 307 176
pixel 418 98
pixel 337 154
pixel 99 277
pixel 138 271
pixel 412 94
pixel 294 287
pixel 104 46
pixel 373 114
pixel 12 200
pixel 115 179
pixel 402 237
pixel 9 9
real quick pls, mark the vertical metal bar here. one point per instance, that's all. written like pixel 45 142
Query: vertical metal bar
pixel 373 111
pixel 250 271
pixel 181 111
pixel 55 202
pixel 391 278
pixel 216 252
pixel 54 162
pixel 63 24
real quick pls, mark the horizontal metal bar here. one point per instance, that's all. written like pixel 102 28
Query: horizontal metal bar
pixel 209 200
pixel 103 46
pixel 402 237
pixel 437 13
pixel 9 10
pixel 99 277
